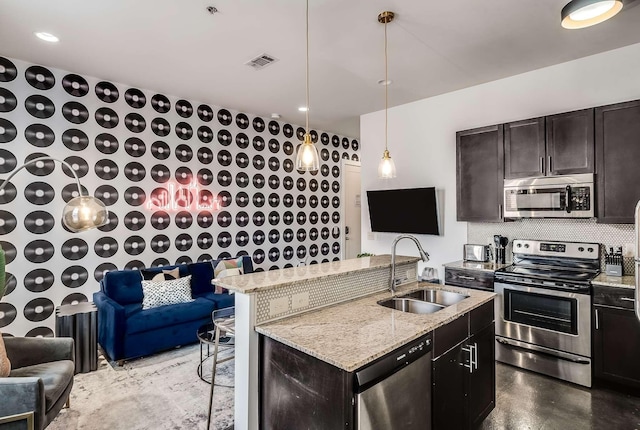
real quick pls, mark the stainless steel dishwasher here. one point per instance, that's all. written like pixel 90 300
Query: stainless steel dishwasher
pixel 394 392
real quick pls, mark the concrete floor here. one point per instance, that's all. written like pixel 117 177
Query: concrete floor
pixel 527 400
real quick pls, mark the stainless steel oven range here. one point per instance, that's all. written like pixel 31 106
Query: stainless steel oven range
pixel 543 308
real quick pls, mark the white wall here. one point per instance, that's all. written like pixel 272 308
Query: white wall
pixel 422 133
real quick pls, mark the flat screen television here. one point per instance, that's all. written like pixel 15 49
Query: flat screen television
pixel 411 210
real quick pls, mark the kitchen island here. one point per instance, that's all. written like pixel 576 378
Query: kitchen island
pixel 329 313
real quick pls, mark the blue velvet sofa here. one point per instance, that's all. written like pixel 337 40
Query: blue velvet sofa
pixel 127 331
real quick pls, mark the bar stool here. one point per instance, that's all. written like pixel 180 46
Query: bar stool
pixel 224 322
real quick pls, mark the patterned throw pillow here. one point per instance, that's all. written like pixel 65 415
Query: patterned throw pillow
pixel 226 268
pixel 164 275
pixel 166 292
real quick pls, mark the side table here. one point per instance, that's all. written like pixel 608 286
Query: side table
pixel 80 321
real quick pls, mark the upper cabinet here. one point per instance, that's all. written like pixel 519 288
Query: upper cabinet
pixel 570 148
pixel 479 174
pixel 617 153
pixel 556 145
pixel 524 148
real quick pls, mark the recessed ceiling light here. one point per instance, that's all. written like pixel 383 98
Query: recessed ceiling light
pixel 47 37
pixel 275 116
pixel 385 82
pixel 585 13
pixel 303 109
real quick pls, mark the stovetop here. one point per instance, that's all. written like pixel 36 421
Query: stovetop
pixel 550 273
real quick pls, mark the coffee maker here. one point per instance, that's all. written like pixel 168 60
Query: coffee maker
pixel 501 243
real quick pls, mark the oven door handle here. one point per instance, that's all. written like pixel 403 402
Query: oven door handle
pixel 567 199
pixel 540 350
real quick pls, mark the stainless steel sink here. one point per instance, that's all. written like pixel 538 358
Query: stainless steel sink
pixel 411 305
pixel 445 298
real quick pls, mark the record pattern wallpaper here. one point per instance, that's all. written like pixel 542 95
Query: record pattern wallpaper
pixel 184 181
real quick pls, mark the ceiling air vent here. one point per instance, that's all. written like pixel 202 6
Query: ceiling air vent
pixel 261 61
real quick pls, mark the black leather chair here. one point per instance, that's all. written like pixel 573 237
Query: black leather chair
pixel 41 377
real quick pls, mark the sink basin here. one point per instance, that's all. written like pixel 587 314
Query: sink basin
pixel 411 305
pixel 444 298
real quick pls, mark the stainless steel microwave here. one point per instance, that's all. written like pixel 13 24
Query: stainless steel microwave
pixel 567 196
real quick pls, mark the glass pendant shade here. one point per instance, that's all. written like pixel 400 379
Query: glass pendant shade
pixel 386 168
pixel 84 213
pixel 585 13
pixel 307 158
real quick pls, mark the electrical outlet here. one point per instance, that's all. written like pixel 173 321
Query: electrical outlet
pixel 629 250
pixel 300 300
pixel 278 306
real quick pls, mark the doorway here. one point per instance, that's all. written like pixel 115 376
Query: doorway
pixel 350 218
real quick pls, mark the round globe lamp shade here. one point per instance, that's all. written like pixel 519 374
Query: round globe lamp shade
pixel 84 213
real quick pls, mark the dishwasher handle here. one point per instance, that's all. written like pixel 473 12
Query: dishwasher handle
pixel 390 363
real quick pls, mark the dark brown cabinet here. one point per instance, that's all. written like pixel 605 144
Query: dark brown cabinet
pixel 570 143
pixel 616 340
pixel 469 279
pixel 479 174
pixel 617 129
pixel 559 144
pixel 464 375
pixel 524 148
pixel 299 391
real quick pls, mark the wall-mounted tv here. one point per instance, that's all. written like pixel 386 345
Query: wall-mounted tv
pixel 411 210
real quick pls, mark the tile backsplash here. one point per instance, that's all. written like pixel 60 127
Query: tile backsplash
pixel 574 230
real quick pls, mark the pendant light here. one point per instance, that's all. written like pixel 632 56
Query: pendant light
pixel 585 13
pixel 386 168
pixel 307 158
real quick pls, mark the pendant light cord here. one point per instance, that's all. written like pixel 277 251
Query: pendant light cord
pixel 386 89
pixel 307 111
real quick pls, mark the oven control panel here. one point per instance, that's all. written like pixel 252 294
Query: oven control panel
pixel 546 248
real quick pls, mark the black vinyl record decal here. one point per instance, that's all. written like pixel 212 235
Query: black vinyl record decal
pixel 205 134
pixel 184 153
pixel 134 171
pixel 135 147
pixel 183 219
pixel 74 276
pixel 105 247
pixel 258 181
pixel 8 71
pixel 160 150
pixel 107 92
pixel 205 113
pixel 70 191
pixel 8 100
pixel 205 177
pixel 134 196
pixel 224 158
pixel 106 143
pixel 205 219
pixel 258 143
pixel 183 242
pixel 75 140
pixel 8 131
pixel 135 122
pixel 39 251
pixel 184 108
pixel 204 240
pixel 74 298
pixel 75 85
pixel 39 135
pixel 242 121
pixel 274 127
pixel 287 129
pixel 224 137
pixel 242 141
pixel 160 103
pixel 38 309
pixel 224 197
pixel 134 220
pixel 184 131
pixel 160 220
pixel 160 173
pixel 224 117
pixel 112 223
pixel 39 280
pixel 107 118
pixel 40 77
pixel 75 112
pixel 242 180
pixel 107 193
pixel 106 169
pixel 160 127
pixel 160 243
pixel 135 98
pixel 242 159
pixel 103 268
pixel 205 155
pixel 9 222
pixel 134 245
pixel 39 222
pixel 39 106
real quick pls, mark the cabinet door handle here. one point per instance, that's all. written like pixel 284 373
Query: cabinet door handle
pixel 597 321
pixel 550 164
pixel 475 354
pixel 542 165
pixel 468 278
pixel 469 366
pixel 627 299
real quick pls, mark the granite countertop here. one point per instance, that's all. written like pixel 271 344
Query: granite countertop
pixel 615 281
pixel 259 281
pixel 475 265
pixel 352 334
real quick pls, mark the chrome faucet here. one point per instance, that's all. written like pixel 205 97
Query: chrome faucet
pixel 423 255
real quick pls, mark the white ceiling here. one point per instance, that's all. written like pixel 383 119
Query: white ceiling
pixel 177 47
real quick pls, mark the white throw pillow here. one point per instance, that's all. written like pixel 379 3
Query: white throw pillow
pixel 166 292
